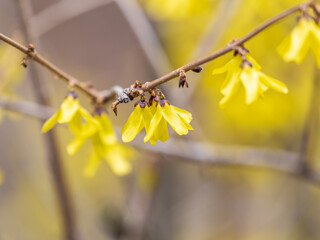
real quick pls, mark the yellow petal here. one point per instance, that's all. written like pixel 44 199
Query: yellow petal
pixel 297 44
pixel 255 64
pixel 69 107
pixel 92 165
pixel 84 113
pixel 133 126
pixel 146 117
pixel 50 122
pixel 160 133
pixel 273 83
pixel 174 120
pixel 75 144
pixel 221 70
pixel 231 86
pixel 154 124
pixel 76 124
pixel 99 147
pixel 107 133
pixel 117 160
pixel 182 113
pixel 153 109
pixel 250 80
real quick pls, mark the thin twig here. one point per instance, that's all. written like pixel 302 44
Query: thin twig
pixel 83 86
pixel 146 35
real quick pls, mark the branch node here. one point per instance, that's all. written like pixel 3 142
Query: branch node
pixel 114 107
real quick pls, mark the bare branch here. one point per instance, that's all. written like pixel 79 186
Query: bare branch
pixel 145 34
pixel 60 184
pixel 29 109
pixel 60 12
pixel 33 55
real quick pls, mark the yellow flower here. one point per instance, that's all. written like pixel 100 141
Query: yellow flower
pixel 70 112
pixel 105 146
pixel 248 73
pixel 304 37
pixel 140 118
pixel 178 119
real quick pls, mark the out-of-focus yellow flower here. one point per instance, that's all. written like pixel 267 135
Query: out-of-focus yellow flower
pixel 178 119
pixel 246 72
pixel 176 9
pixel 105 146
pixel 304 37
pixel 140 118
pixel 70 112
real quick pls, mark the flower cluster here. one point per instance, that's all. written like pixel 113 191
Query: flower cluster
pixel 304 37
pixel 99 129
pixel 153 117
pixel 244 70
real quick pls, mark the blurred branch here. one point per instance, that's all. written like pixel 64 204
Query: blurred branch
pixel 197 152
pixel 310 126
pixel 28 109
pixel 214 31
pixel 56 170
pixel 216 27
pixel 60 12
pixel 145 34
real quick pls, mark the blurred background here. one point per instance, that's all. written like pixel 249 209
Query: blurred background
pixel 166 196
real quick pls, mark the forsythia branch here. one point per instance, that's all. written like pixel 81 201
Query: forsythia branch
pixel 230 47
pixel 100 97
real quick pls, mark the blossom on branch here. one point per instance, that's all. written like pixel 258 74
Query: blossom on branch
pixel 140 118
pixel 178 119
pixel 99 129
pixel 105 145
pixel 245 71
pixel 154 117
pixel 304 37
pixel 70 112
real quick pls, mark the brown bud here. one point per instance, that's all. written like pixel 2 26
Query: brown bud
pixel 24 62
pixel 197 69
